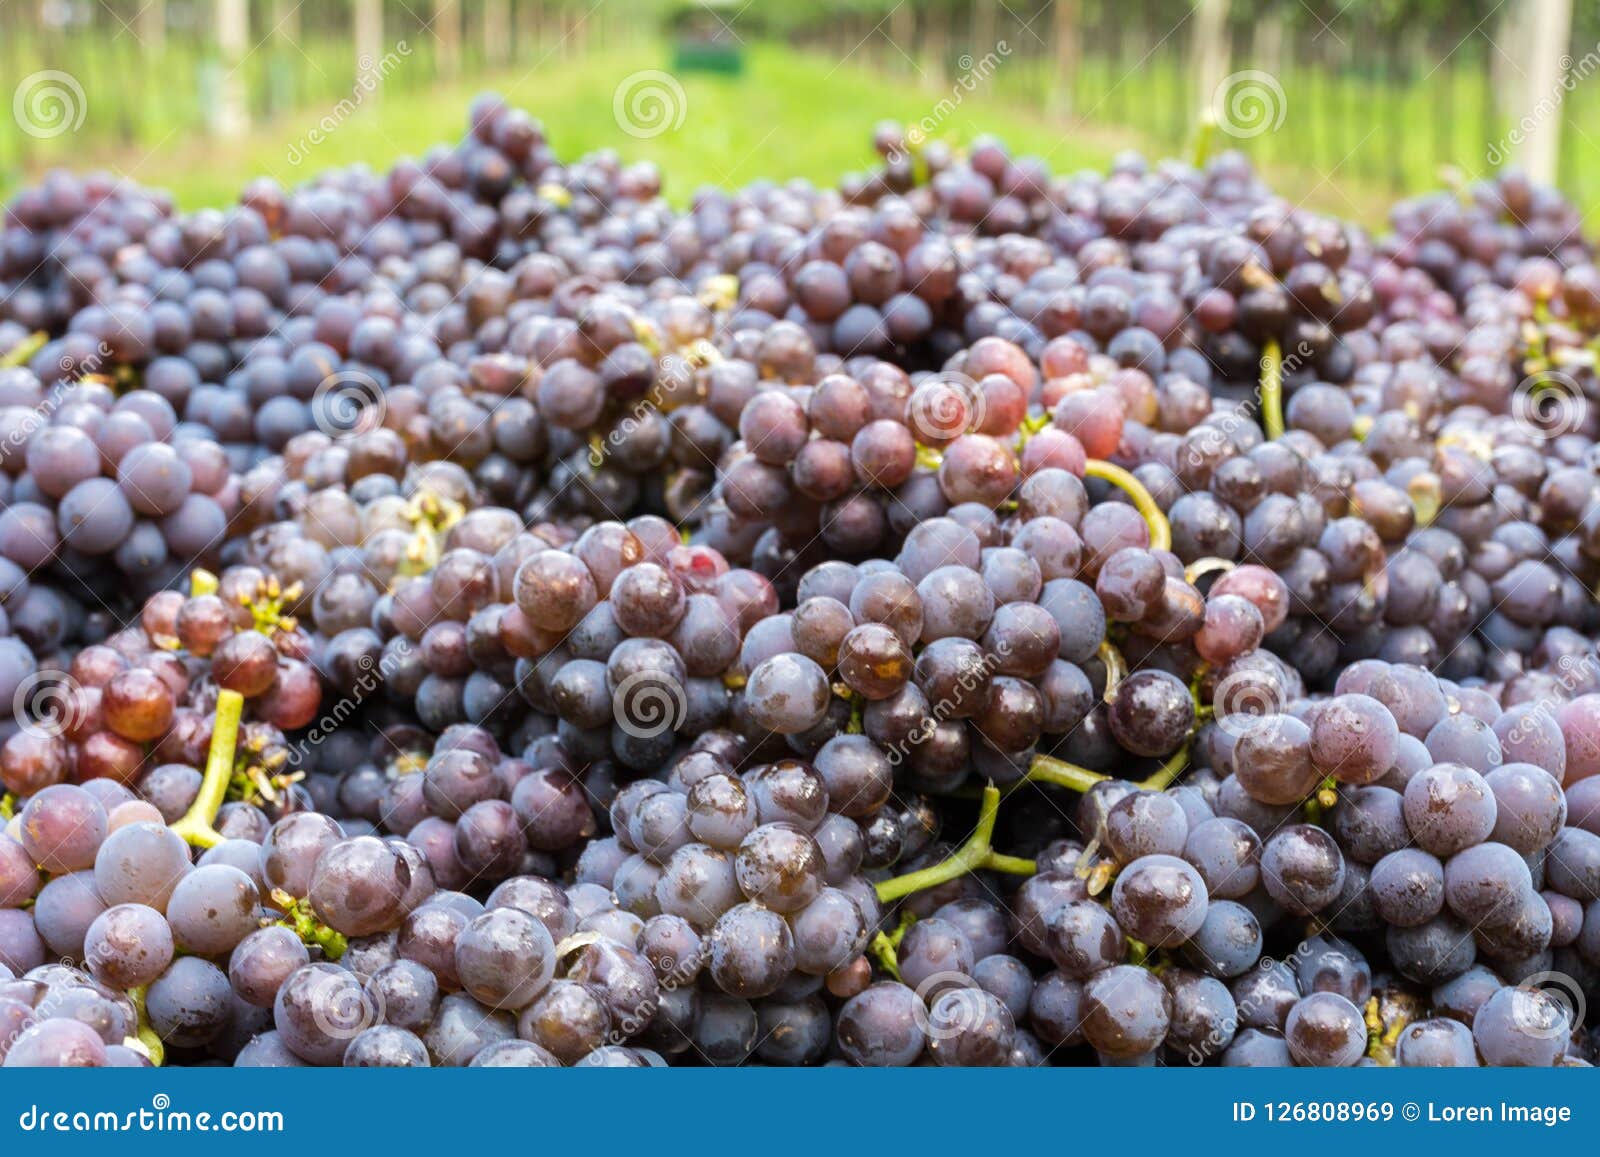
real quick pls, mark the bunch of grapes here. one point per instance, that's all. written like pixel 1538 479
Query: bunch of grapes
pixel 479 614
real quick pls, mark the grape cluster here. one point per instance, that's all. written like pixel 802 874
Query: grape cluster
pixel 481 614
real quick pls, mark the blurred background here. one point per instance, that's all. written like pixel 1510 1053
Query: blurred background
pixel 1346 104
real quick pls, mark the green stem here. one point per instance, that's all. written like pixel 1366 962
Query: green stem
pixel 1049 769
pixel 1272 389
pixel 1160 528
pixel 144 1036
pixel 1201 567
pixel 974 855
pixel 299 919
pixel 1205 134
pixel 1116 668
pixel 196 825
pixel 1162 777
pixel 22 353
pixel 888 955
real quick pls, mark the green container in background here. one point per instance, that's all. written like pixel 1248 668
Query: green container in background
pixel 703 39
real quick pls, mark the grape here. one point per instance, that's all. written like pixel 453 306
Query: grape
pixel 787 694
pixel 1126 1011
pixel 750 951
pixel 1144 824
pixel 882 1026
pixel 1354 739
pixel 360 886
pixel 1521 1027
pixel 385 1046
pixel 1160 900
pixel 1227 854
pixel 505 958
pixel 1448 808
pixel 1408 887
pixel 1083 938
pixel 62 828
pixel 140 864
pixel 1436 1043
pixel 1324 1030
pixel 57 1043
pixel 190 1003
pixel 1302 868
pixel 262 961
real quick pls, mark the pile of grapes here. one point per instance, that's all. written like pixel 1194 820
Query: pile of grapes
pixel 480 614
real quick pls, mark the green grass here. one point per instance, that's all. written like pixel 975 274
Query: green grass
pixel 796 114
pixel 785 117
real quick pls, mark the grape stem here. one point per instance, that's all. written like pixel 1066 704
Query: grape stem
pixel 1160 528
pixel 145 1039
pixel 23 352
pixel 300 920
pixel 974 855
pixel 1272 389
pixel 196 825
pixel 1049 769
pixel 1116 668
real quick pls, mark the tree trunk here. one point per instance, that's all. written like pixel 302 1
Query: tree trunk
pixel 1065 18
pixel 1209 52
pixel 446 27
pixel 985 26
pixel 232 113
pixel 936 43
pixel 369 45
pixel 496 32
pixel 1540 109
pixel 152 25
pixel 903 35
